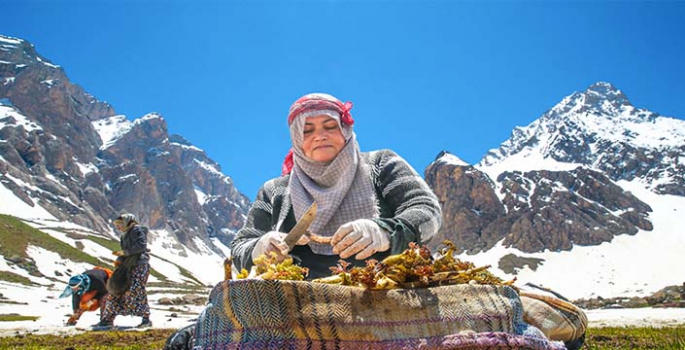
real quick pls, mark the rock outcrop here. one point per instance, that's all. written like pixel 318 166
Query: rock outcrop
pixel 538 210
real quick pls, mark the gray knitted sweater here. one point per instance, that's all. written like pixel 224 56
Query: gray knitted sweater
pixel 408 210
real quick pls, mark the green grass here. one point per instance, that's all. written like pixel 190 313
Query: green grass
pixel 109 243
pixel 613 338
pixel 12 277
pixel 16 236
pixel 177 288
pixel 114 245
pixel 16 317
pixel 150 339
pixel 185 273
pixel 629 338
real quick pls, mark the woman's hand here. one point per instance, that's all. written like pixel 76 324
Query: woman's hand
pixel 362 237
pixel 118 253
pixel 272 241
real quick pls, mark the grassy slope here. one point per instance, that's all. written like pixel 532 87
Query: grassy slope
pixel 669 338
pixel 16 236
pixel 614 338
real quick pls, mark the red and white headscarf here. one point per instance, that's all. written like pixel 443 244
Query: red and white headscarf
pixel 316 104
pixel 342 188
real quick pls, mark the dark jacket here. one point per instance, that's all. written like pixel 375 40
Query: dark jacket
pixel 408 209
pixel 98 282
pixel 134 241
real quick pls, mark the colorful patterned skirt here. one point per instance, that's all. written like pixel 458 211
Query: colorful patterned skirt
pixel 134 301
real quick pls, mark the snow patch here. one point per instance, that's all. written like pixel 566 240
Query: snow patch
pixel 452 159
pixel 111 129
pixel 636 265
pixel 19 119
pixel 12 205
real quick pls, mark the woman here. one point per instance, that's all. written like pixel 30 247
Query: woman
pixel 127 295
pixel 88 291
pixel 370 205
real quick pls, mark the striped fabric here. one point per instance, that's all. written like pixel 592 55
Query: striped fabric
pixel 260 314
pixel 556 318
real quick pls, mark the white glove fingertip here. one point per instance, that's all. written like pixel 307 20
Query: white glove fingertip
pixel 358 246
pixel 303 240
pixel 365 254
pixel 281 247
pixel 350 242
pixel 342 232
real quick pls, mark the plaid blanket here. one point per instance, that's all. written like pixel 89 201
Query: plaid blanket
pixel 260 314
pixel 557 318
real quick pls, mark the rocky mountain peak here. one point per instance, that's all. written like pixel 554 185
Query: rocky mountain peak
pixel 20 52
pixel 447 157
pixel 73 156
pixel 552 184
pixel 600 99
pixel 604 98
pixel 601 129
pixel 595 179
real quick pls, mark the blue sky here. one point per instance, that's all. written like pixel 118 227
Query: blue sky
pixel 424 76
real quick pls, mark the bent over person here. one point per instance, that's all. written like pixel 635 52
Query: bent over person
pixel 370 204
pixel 88 291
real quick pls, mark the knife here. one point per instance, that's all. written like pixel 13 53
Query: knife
pixel 301 227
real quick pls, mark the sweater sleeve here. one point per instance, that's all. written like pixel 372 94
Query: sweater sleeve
pixel 410 211
pixel 75 302
pixel 260 220
pixel 138 241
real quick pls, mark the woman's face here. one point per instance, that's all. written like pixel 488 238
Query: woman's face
pixel 323 139
pixel 119 225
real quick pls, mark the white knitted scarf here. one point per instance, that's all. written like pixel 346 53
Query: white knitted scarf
pixel 342 190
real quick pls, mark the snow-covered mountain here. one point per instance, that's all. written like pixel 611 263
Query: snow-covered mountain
pixel 69 164
pixel 599 128
pixel 586 199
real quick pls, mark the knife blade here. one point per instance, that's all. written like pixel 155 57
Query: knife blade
pixel 300 227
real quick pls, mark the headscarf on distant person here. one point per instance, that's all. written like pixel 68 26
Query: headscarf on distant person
pixel 127 220
pixel 77 284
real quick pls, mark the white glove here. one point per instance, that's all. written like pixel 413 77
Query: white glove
pixel 362 237
pixel 272 241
